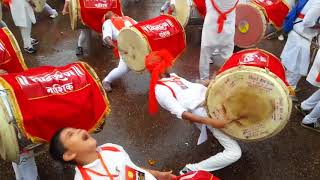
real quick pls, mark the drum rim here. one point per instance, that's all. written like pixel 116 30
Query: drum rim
pixel 39 9
pixel 74 13
pixel 142 37
pixel 277 79
pixel 11 152
pixel 264 25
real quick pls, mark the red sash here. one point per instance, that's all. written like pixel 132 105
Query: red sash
pixel 93 11
pixel 276 11
pixel 46 99
pixel 164 32
pixel 197 175
pixel 222 15
pixel 84 172
pixel 11 59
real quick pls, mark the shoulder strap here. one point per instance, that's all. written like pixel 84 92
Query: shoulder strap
pixel 110 148
pixel 222 15
pixel 173 93
pixel 84 173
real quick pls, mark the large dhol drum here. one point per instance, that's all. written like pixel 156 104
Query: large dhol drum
pixel 36 103
pixel 38 5
pixel 90 13
pixel 189 10
pixel 162 32
pixel 253 18
pixel 11 59
pixel 251 85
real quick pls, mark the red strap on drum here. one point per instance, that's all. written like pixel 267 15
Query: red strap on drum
pixel 173 93
pixel 222 15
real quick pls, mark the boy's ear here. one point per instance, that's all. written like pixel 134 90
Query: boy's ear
pixel 69 156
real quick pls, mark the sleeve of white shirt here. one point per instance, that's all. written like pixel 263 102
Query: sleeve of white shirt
pixel 168 101
pixel 311 17
pixel 78 175
pixel 107 29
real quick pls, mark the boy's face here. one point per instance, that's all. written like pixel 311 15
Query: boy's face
pixel 77 142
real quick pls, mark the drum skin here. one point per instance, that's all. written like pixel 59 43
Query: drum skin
pixel 251 25
pixel 253 94
pixel 184 10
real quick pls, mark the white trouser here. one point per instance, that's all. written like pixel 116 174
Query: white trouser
pixel 229 155
pixel 312 103
pixel 83 37
pixel 27 168
pixel 49 9
pixel 293 78
pixel 207 52
pixel 117 72
pixel 26 34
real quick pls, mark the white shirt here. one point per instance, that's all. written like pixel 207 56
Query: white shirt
pixel 312 13
pixel 109 30
pixel 189 95
pixel 22 13
pixel 116 163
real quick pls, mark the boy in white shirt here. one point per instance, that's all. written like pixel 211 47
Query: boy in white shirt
pixel 186 100
pixel 108 161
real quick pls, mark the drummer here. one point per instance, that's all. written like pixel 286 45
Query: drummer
pixel 296 53
pixel 217 34
pixel 185 100
pixel 110 31
pixel 310 108
pixel 109 161
pixel 84 33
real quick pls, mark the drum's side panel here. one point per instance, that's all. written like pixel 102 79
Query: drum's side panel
pixel 15 46
pixel 107 111
pixel 133 47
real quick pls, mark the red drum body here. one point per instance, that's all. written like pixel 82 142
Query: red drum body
pixel 91 12
pixel 257 58
pixel 162 32
pixel 11 59
pixel 275 10
pixel 38 102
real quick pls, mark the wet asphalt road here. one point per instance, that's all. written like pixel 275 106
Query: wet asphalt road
pixel 292 154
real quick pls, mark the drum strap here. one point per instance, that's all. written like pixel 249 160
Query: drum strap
pixel 222 15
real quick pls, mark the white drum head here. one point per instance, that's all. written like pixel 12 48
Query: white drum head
pixel 9 147
pixel 258 96
pixel 133 48
pixel 182 11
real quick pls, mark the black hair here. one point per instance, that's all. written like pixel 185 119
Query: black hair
pixel 57 148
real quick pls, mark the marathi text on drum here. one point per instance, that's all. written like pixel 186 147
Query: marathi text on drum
pixel 60 89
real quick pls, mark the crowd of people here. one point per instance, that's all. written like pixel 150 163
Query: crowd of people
pixel 178 96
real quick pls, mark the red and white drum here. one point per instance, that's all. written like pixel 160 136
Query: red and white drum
pixel 162 32
pixel 34 104
pixel 11 59
pixel 252 86
pixel 91 12
pixel 253 18
pixel 186 10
